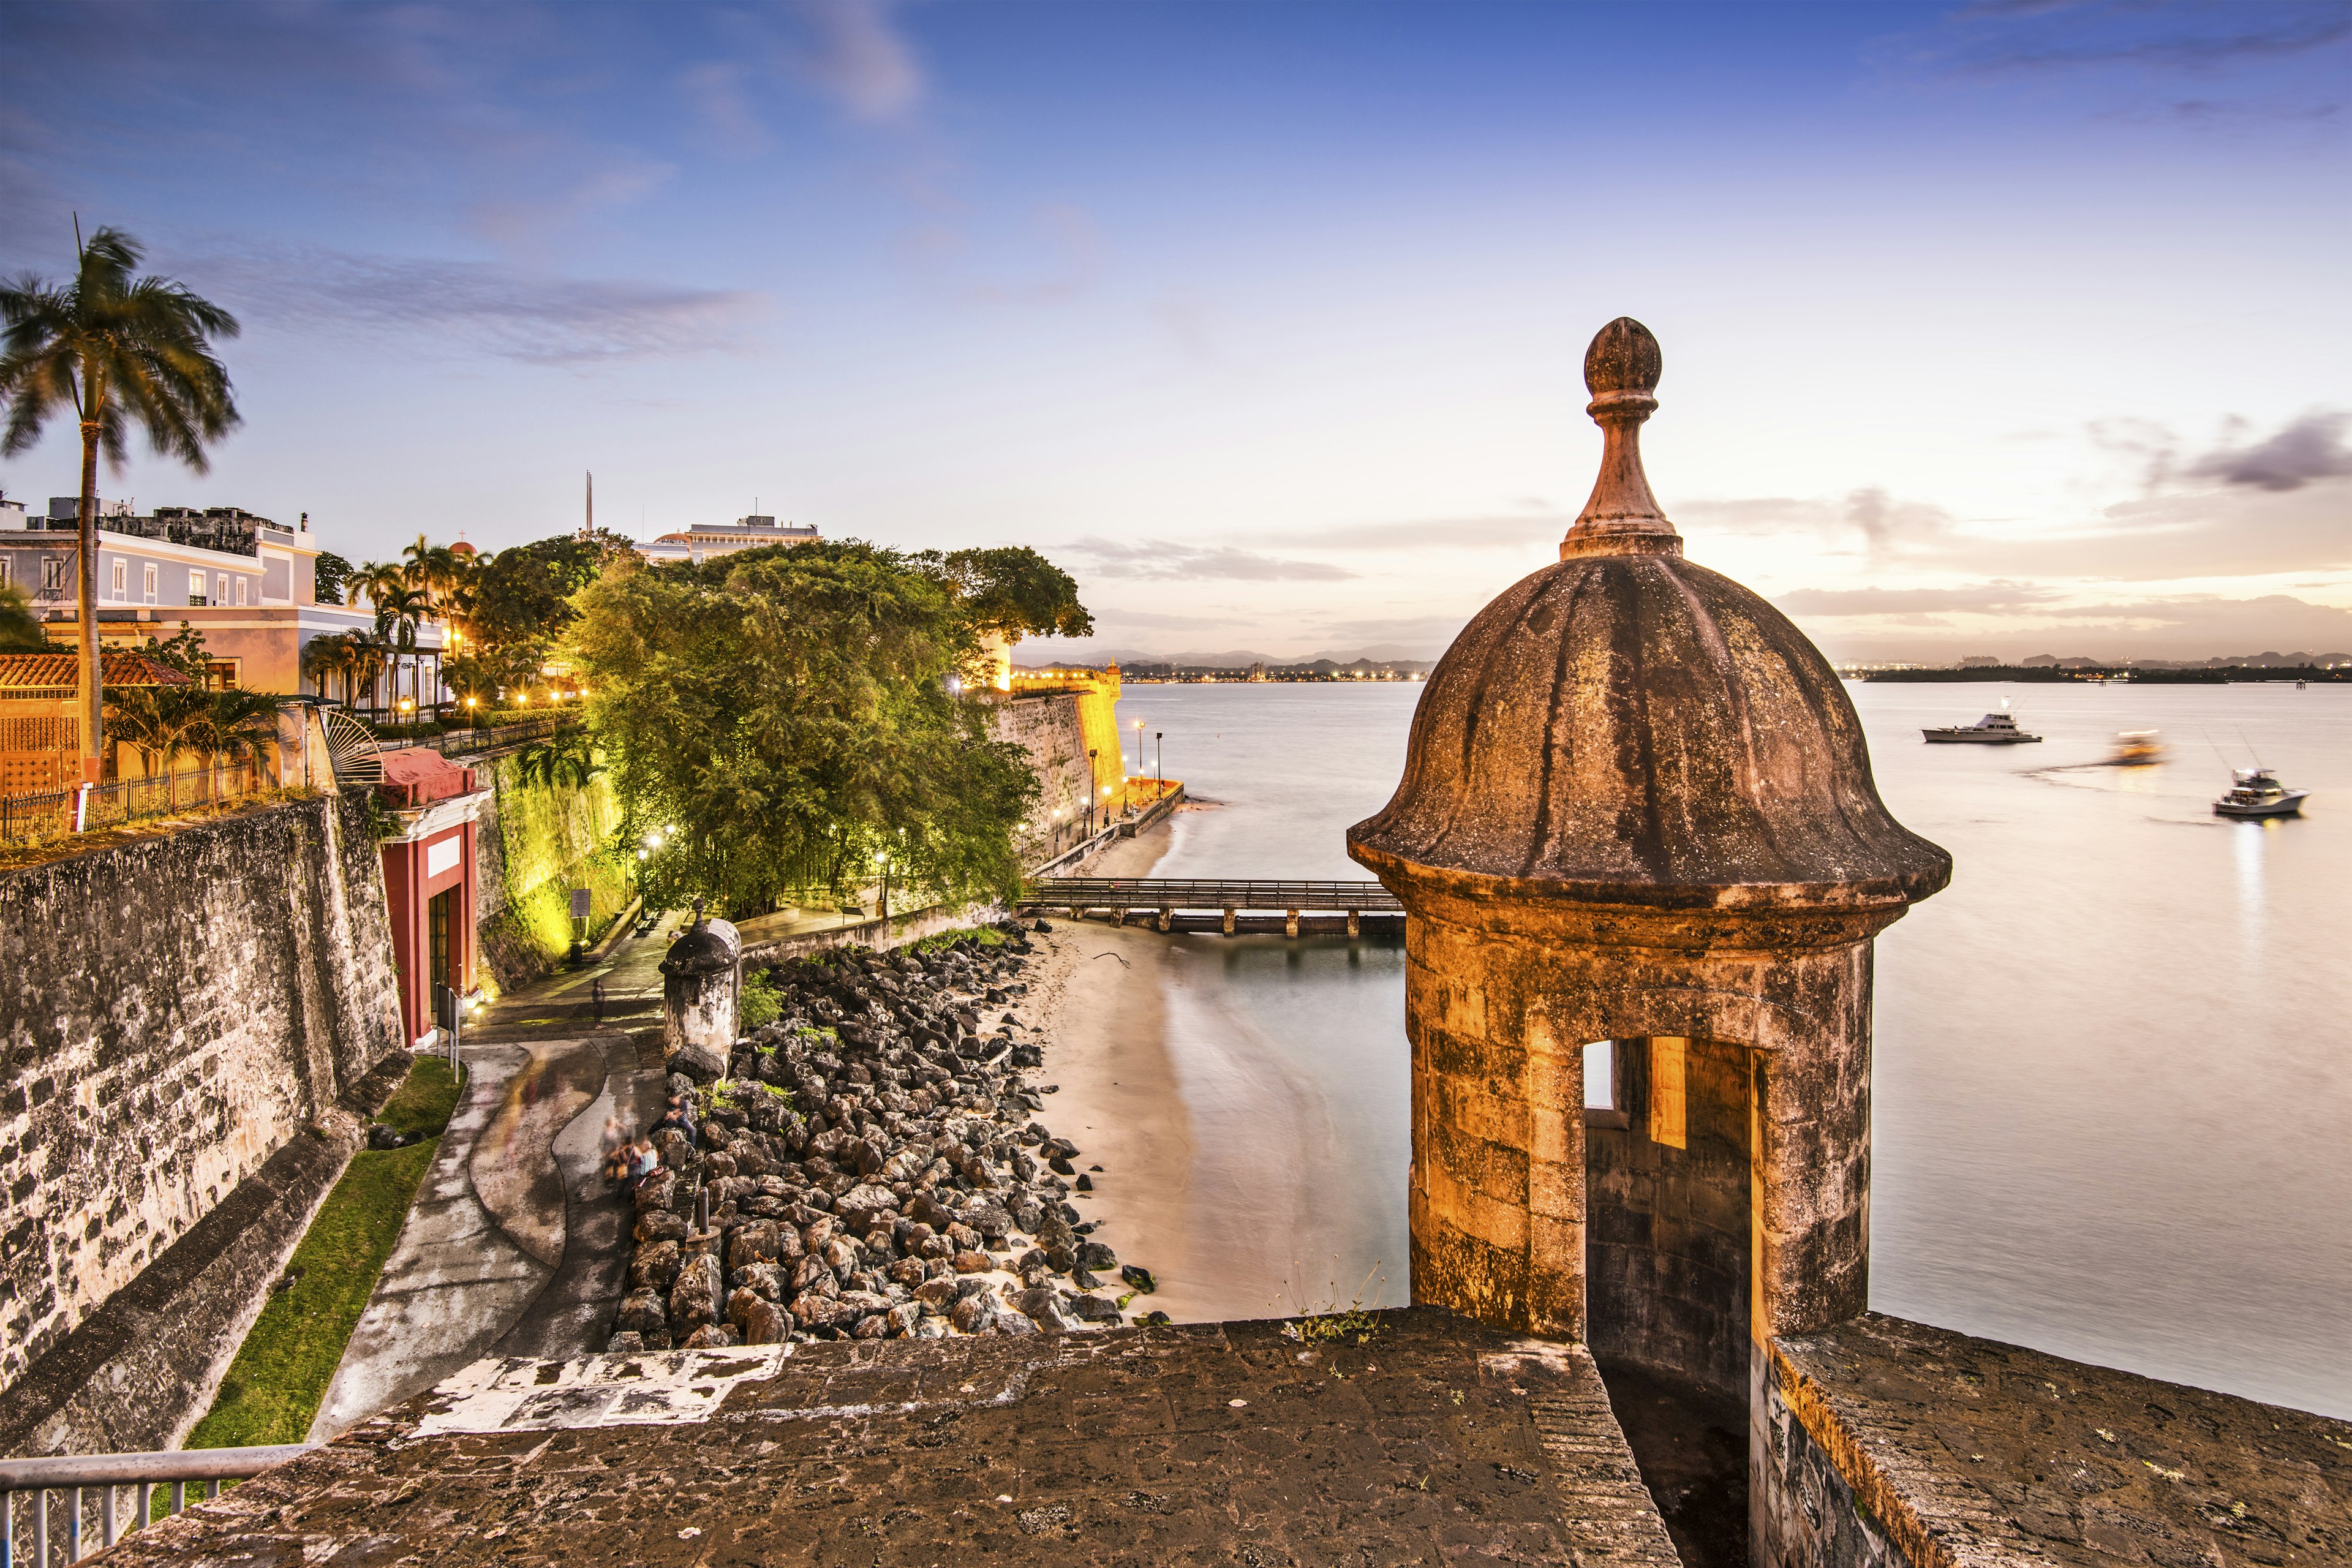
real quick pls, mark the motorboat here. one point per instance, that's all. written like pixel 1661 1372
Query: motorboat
pixel 1993 729
pixel 2137 748
pixel 2254 792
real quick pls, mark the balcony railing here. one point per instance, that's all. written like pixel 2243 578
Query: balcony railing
pixel 48 1517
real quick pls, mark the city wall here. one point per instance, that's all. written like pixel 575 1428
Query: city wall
pixel 176 1014
pixel 535 842
pixel 1058 719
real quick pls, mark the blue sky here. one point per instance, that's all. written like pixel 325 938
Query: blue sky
pixel 2013 328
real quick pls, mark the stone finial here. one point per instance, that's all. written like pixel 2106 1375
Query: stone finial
pixel 1620 371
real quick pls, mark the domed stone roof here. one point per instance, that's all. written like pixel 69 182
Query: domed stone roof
pixel 705 947
pixel 1628 728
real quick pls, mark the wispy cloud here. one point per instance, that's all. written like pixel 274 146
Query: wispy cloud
pixel 2306 448
pixel 1980 598
pixel 1879 521
pixel 1164 560
pixel 856 55
pixel 2046 35
pixel 1432 534
pixel 494 309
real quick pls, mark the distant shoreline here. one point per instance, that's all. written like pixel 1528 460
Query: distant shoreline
pixel 2137 674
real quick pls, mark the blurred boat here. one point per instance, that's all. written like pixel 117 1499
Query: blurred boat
pixel 2254 792
pixel 2137 748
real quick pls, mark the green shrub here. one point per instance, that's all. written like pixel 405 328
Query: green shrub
pixel 761 1002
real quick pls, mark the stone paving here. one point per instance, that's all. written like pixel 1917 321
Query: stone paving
pixel 515 1245
pixel 1435 1442
pixel 1966 1451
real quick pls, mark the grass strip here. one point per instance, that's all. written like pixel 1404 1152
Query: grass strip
pixel 272 1390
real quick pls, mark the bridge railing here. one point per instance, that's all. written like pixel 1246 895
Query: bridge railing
pixel 34 1534
pixel 1209 893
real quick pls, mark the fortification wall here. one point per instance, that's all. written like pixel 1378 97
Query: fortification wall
pixel 174 1012
pixel 534 842
pixel 1052 727
pixel 1893 1445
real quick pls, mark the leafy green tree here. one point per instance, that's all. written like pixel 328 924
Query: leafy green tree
pixel 330 569
pixel 1015 592
pixel 783 716
pixel 20 628
pixel 521 598
pixel 112 347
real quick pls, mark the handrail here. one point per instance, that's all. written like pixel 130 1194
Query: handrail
pixel 1210 893
pixel 72 1472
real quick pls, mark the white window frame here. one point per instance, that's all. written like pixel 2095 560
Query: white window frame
pixel 240 590
pixel 6 562
pixel 53 574
pixel 119 579
pixel 196 588
pixel 147 579
pixel 220 588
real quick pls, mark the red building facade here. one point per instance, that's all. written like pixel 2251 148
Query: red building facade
pixel 429 881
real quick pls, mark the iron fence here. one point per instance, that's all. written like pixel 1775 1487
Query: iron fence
pixel 81 808
pixel 60 1532
pixel 489 737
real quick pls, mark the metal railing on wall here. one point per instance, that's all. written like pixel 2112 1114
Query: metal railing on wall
pixel 47 1516
pixel 489 737
pixel 78 808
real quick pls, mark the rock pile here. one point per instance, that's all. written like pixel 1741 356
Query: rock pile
pixel 868 1165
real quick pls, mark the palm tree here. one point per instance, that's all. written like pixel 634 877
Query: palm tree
pixel 398 613
pixel 375 582
pixel 233 722
pixel 163 721
pixel 326 657
pixel 112 347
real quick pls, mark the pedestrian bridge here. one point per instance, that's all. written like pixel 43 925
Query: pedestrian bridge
pixel 1188 902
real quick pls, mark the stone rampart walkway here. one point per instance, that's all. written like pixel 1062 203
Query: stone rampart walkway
pixel 1437 1442
pixel 515 1247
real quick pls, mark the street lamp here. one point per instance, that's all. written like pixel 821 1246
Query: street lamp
pixel 1155 780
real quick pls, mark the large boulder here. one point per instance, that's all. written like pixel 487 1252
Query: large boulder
pixel 641 1313
pixel 698 1063
pixel 812 1310
pixel 654 1267
pixel 695 1301
pixel 760 1242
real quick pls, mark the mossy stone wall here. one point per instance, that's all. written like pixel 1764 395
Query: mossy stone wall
pixel 535 842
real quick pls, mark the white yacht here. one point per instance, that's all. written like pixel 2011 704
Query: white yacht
pixel 2254 792
pixel 1993 729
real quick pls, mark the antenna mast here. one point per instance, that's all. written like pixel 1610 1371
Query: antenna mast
pixel 588 529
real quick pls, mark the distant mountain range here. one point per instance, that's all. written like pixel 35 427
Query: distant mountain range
pixel 2271 661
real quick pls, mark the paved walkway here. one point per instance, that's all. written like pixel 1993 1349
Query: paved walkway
pixel 515 1245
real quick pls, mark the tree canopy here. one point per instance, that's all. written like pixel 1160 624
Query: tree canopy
pixel 783 719
pixel 1014 592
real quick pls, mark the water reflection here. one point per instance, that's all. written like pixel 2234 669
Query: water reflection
pixel 2253 842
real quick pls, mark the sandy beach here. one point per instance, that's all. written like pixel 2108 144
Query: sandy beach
pixel 1208 1148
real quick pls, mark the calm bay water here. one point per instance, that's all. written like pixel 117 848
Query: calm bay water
pixel 2114 1075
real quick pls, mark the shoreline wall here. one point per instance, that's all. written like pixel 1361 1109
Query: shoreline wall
pixel 175 1012
pixel 1893 1445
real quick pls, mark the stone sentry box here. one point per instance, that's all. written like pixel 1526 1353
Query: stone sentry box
pixel 1637 807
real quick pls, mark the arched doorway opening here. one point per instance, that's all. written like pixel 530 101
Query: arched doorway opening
pixel 1669 1273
